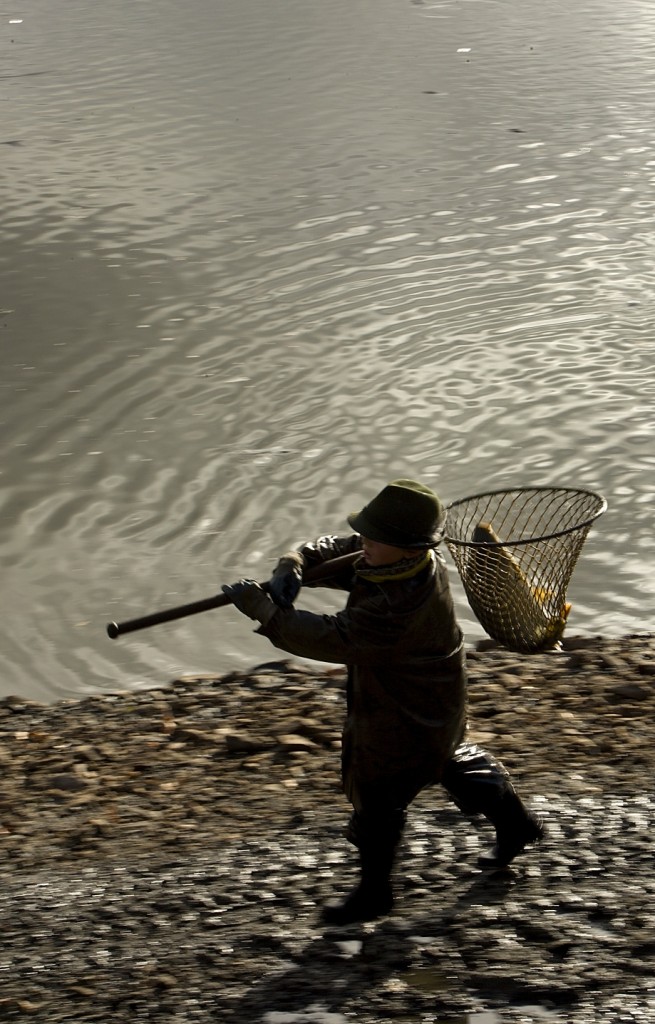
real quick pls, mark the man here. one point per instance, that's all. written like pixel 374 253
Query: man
pixel 406 690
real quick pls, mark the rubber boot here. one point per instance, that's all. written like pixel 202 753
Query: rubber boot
pixel 479 784
pixel 377 841
pixel 516 828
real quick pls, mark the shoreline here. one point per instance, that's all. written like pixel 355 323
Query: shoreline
pixel 208 814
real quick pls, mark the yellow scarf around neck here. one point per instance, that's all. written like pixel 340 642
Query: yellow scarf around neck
pixel 402 570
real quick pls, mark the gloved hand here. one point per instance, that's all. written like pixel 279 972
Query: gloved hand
pixel 286 580
pixel 249 598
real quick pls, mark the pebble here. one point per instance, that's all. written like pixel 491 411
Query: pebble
pixel 165 855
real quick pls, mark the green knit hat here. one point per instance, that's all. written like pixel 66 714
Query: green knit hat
pixel 404 514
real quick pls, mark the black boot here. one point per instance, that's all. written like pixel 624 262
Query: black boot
pixel 480 784
pixel 515 827
pixel 365 903
pixel 377 839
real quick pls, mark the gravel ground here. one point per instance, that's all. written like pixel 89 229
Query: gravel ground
pixel 165 855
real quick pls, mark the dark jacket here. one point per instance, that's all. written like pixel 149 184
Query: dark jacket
pixel 406 697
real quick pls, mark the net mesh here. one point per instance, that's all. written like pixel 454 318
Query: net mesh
pixel 515 552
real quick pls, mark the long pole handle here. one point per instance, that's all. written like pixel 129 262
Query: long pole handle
pixel 313 575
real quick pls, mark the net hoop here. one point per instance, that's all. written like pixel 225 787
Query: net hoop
pixel 597 499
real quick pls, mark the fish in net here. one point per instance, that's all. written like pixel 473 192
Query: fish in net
pixel 515 551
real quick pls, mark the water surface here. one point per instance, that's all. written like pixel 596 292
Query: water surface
pixel 258 258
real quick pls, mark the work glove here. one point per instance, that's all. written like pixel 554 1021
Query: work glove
pixel 286 581
pixel 249 598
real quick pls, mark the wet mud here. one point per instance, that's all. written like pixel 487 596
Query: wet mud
pixel 166 854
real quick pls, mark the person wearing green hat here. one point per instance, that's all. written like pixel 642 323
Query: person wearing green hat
pixel 406 714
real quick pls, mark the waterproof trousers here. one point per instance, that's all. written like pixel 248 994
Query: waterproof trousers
pixel 479 784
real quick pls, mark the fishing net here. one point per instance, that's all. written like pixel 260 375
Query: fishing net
pixel 515 552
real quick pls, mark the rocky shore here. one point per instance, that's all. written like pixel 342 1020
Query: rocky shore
pixel 165 853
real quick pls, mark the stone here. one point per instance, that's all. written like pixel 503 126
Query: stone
pixel 291 742
pixel 244 743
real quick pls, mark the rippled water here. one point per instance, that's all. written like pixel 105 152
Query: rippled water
pixel 259 257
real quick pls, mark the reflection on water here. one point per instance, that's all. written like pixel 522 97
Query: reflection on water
pixel 432 980
pixel 261 258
